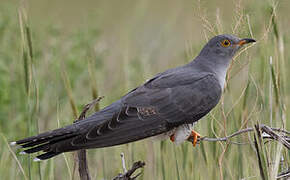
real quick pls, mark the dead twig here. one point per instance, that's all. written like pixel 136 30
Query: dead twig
pixel 128 173
pixel 83 165
pixel 88 107
pixel 82 156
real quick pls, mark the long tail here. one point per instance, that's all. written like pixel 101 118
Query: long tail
pixel 59 140
pixel 46 141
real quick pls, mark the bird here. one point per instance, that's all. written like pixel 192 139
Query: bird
pixel 167 105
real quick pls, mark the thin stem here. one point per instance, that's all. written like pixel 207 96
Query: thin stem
pixel 269 132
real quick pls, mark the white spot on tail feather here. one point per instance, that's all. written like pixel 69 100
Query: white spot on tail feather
pixel 36 159
pixel 265 135
pixel 22 153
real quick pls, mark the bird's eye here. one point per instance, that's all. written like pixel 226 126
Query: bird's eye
pixel 225 43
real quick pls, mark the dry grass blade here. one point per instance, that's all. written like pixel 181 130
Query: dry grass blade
pixel 24 51
pixel 92 73
pixel 69 90
pixel 31 86
pixel 260 152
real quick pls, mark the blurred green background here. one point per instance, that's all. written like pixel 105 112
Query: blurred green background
pixel 56 56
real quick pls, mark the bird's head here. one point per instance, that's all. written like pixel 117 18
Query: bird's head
pixel 224 46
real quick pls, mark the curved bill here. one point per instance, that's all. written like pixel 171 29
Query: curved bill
pixel 246 41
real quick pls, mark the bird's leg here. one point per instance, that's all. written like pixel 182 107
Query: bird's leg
pixel 194 135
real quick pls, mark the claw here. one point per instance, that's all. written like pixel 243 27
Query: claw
pixel 195 136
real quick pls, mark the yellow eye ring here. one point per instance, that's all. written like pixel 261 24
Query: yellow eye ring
pixel 226 43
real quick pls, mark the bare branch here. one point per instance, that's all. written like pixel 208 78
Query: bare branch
pixel 88 107
pixel 127 174
pixel 224 138
pixel 268 132
pixel 82 156
pixel 83 165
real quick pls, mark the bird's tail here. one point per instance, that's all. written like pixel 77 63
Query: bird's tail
pixel 45 141
pixel 60 140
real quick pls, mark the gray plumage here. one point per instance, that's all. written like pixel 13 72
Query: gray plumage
pixel 175 97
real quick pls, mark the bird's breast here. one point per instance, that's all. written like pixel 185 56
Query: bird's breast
pixel 221 76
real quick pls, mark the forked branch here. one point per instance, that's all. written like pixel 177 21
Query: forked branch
pixel 126 175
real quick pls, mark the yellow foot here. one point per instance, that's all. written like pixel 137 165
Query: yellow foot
pixel 195 136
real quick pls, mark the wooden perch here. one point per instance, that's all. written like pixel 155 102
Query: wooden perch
pixel 267 132
pixel 82 156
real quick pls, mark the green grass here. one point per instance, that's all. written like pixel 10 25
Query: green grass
pixel 52 62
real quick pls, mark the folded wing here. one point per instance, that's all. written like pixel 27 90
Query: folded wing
pixel 159 105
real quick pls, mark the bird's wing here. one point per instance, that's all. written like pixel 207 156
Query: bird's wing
pixel 177 98
pixel 155 108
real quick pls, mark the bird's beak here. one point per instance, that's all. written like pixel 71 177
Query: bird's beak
pixel 246 41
